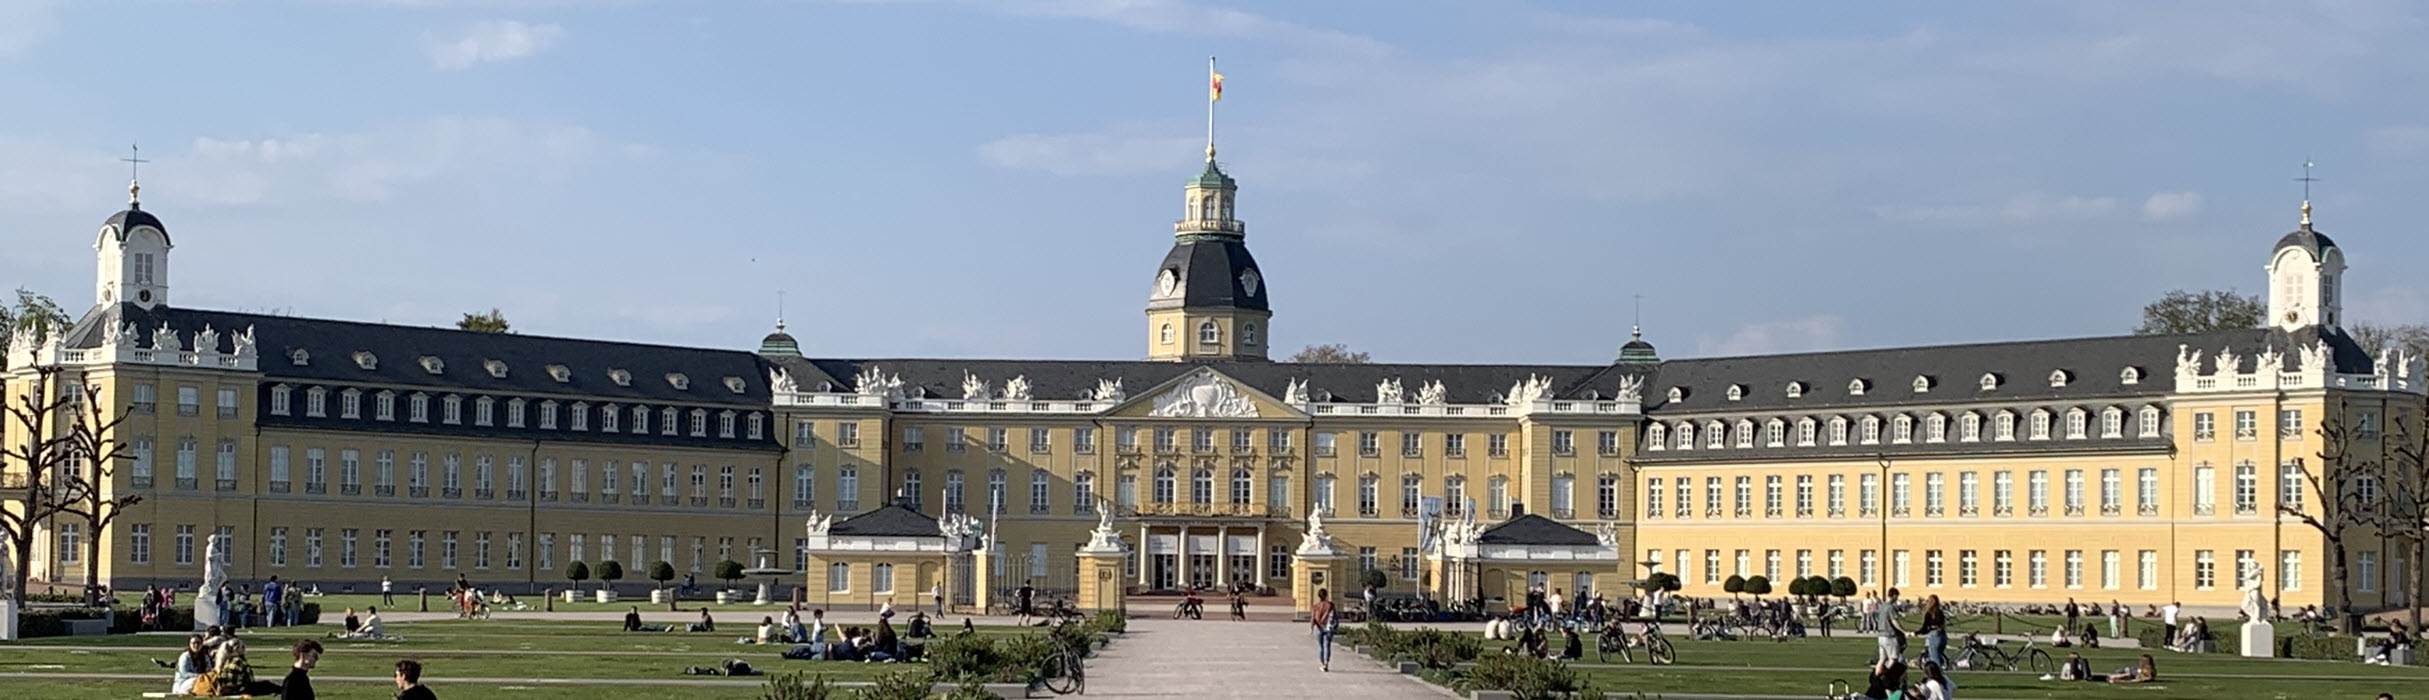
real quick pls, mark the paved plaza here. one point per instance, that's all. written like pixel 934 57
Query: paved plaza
pixel 1166 658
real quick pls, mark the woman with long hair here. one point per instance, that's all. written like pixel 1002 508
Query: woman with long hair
pixel 1325 621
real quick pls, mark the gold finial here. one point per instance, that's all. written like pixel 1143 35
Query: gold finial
pixel 2306 181
pixel 1210 152
pixel 2306 213
pixel 134 193
pixel 134 161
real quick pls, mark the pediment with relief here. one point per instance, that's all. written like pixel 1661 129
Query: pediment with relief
pixel 1204 393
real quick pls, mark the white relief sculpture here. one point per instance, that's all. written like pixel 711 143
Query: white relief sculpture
pixel 1607 534
pixel 1388 391
pixel 110 334
pixel 1433 394
pixel 1250 281
pixel 244 342
pixel 1631 388
pixel 1204 395
pixel 960 531
pixel 165 339
pixel 1295 392
pixel 874 381
pixel 1017 389
pixel 2315 360
pixel 2228 362
pixel 206 340
pixel 1108 390
pixel 2270 362
pixel 1317 542
pixel 1530 390
pixel 819 524
pixel 781 381
pixel 1104 539
pixel 972 389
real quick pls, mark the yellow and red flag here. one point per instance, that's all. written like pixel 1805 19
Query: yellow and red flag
pixel 1214 86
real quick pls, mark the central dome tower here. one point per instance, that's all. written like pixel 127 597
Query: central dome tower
pixel 1209 300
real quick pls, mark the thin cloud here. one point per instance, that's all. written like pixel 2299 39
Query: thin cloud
pixel 2021 208
pixel 2168 206
pixel 491 41
pixel 1817 332
pixel 24 23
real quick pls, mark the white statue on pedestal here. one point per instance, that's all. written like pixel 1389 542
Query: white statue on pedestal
pixel 214 575
pixel 1317 543
pixel 1104 539
pixel 2259 637
pixel 2255 603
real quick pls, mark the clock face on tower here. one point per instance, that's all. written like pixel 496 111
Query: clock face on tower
pixel 2292 316
pixel 1249 281
pixel 1167 283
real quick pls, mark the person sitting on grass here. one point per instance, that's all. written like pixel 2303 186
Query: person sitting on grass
pixel 706 623
pixel 632 619
pixel 920 628
pixel 1887 681
pixel 728 667
pixel 1935 685
pixel 2397 638
pixel 352 623
pixel 191 664
pixel 766 633
pixel 1571 647
pixel 886 646
pixel 2189 641
pixel 2145 672
pixel 370 627
pixel 2075 668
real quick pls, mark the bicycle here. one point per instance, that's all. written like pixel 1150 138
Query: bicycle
pixel 1978 654
pixel 1615 639
pixel 1066 670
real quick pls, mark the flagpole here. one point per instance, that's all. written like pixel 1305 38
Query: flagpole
pixel 1210 106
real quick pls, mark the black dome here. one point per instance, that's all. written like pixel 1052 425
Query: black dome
pixel 134 216
pixel 2305 238
pixel 1215 272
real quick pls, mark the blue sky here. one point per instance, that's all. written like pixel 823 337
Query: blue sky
pixel 1484 181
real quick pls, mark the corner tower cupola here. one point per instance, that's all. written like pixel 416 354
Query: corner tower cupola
pixel 133 253
pixel 2306 273
pixel 1636 351
pixel 1209 300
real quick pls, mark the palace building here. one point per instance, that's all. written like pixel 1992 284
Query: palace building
pixel 2142 468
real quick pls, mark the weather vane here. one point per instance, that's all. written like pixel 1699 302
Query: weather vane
pixel 134 161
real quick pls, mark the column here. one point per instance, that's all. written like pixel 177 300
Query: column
pixel 1180 557
pixel 1146 561
pixel 1264 572
pixel 1223 555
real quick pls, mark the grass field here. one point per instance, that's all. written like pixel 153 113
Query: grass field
pixel 523 659
pixel 1807 666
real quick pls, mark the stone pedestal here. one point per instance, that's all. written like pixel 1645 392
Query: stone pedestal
pixel 982 565
pixel 659 596
pixel 605 595
pixel 8 619
pixel 2259 640
pixel 1101 581
pixel 1310 571
pixel 765 590
pixel 571 596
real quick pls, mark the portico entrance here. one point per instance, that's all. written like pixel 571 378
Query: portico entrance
pixel 1203 554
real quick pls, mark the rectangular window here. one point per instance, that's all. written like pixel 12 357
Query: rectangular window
pixel 1083 440
pixel 1564 443
pixel 2205 489
pixel 1408 563
pixel 2289 424
pixel 2247 488
pixel 2365 572
pixel 2146 491
pixel 839 577
pixel 2205 426
pixel 2036 492
pixel 1898 563
pixel 1868 568
pixel 227 402
pixel 1901 494
pixel 2289 571
pixel 2205 569
pixel 2039 568
pixel 1712 566
pixel 184 545
pixel 1497 445
pixel 2146 573
pixel 2109 566
pixel 1966 562
pixel 2112 491
pixel 1931 569
pixel 139 543
pixel 2074 492
pixel 1835 495
pixel 2247 425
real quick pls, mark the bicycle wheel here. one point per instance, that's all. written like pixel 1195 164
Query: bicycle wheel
pixel 1062 674
pixel 2039 662
pixel 1659 651
pixel 1606 643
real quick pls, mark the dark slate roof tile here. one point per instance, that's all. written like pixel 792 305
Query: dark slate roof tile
pixel 1532 529
pixel 892 520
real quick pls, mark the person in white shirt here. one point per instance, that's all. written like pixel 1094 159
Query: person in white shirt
pixel 1936 685
pixel 387 591
pixel 2167 617
pixel 1554 602
pixel 1872 603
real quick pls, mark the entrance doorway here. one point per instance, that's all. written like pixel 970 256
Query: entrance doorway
pixel 1202 570
pixel 1164 573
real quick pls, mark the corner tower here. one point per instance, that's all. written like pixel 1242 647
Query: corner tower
pixel 2305 275
pixel 1209 300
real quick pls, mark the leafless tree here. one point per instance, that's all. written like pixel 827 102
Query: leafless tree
pixel 94 450
pixel 2403 515
pixel 2341 507
pixel 34 465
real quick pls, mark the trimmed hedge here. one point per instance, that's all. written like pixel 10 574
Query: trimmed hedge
pixel 2329 647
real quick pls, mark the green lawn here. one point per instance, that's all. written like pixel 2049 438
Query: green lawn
pixel 506 651
pixel 1806 666
pixel 21 689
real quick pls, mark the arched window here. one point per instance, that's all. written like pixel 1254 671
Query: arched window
pixel 2040 424
pixel 1871 431
pixel 2112 422
pixel 1163 485
pixel 1745 433
pixel 1201 486
pixel 1804 431
pixel 1902 430
pixel 1164 334
pixel 1248 334
pixel 1838 430
pixel 1715 436
pixel 1208 206
pixel 2149 422
pixel 2004 427
pixel 1657 436
pixel 1241 483
pixel 1686 436
pixel 1774 433
pixel 2074 423
pixel 1208 332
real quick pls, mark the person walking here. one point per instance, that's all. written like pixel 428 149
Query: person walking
pixel 2074 614
pixel 1323 618
pixel 270 593
pixel 387 591
pixel 1892 639
pixel 1871 606
pixel 2117 619
pixel 1935 631
pixel 409 682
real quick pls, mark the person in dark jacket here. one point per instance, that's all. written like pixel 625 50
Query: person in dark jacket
pixel 298 685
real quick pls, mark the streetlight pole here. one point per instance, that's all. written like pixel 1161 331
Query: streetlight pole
pixel 1881 510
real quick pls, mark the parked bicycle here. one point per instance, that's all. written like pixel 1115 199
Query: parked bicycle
pixel 1615 639
pixel 1067 668
pixel 1980 654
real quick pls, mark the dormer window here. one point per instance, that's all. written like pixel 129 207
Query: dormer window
pixel 1677 394
pixel 580 417
pixel 1796 389
pixel 1804 432
pixel 1922 383
pixel 548 415
pixel 668 421
pixel 484 411
pixel 2130 376
pixel 2058 377
pixel 620 377
pixel 431 364
pixel 560 373
pixel 1856 387
pixel 366 360
pixel 756 425
pixel 2075 420
pixel 281 400
pixel 383 405
pixel 725 424
pixel 2040 425
pixel 1838 430
pixel 678 381
pixel 417 408
pixel 699 423
pixel 316 402
pixel 451 410
pixel 735 384
pixel 497 368
pixel 1737 391
pixel 1657 437
pixel 350 403
pixel 2004 426
pixel 1209 333
pixel 514 413
pixel 2112 423
pixel 1990 381
pixel 607 418
pixel 640 420
pixel 300 357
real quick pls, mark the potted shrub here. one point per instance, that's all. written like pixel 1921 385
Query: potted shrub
pixel 661 572
pixel 576 572
pixel 1758 587
pixel 609 572
pixel 1735 585
pixel 728 571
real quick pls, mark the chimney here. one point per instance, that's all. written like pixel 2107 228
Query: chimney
pixel 1517 509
